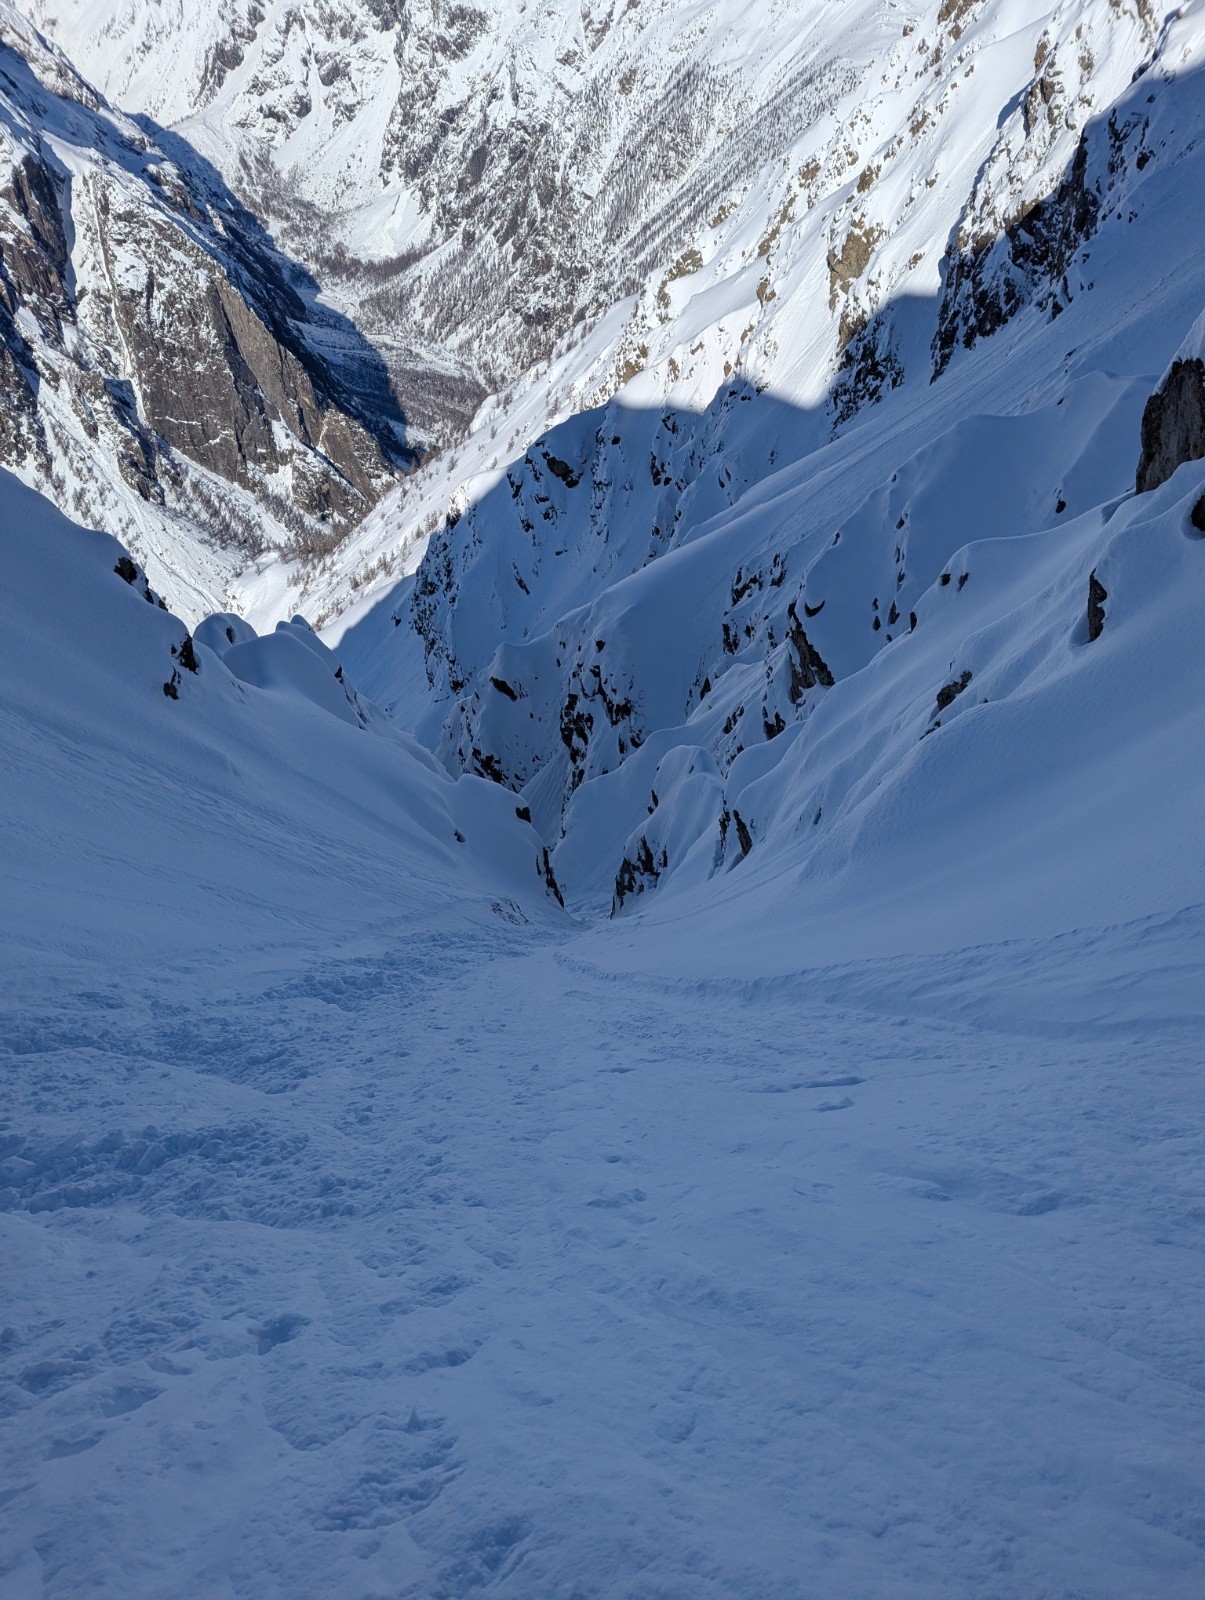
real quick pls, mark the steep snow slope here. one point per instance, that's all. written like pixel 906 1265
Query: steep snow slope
pixel 161 787
pixel 689 635
pixel 370 1230
pixel 166 369
pixel 825 1223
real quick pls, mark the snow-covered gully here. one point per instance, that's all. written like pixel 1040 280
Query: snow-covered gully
pixel 630 1027
pixel 373 1227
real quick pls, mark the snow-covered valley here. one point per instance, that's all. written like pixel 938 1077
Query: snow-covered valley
pixel 652 1048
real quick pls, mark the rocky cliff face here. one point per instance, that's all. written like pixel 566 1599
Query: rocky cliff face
pixel 162 367
pixel 1015 243
pixel 1173 424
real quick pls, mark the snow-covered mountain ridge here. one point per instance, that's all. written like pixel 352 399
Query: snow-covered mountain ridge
pixel 164 372
pixel 479 185
pixel 944 169
pixel 505 170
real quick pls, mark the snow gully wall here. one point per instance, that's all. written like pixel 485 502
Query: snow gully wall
pixel 690 634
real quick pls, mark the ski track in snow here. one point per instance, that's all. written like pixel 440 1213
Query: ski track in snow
pixel 466 1266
